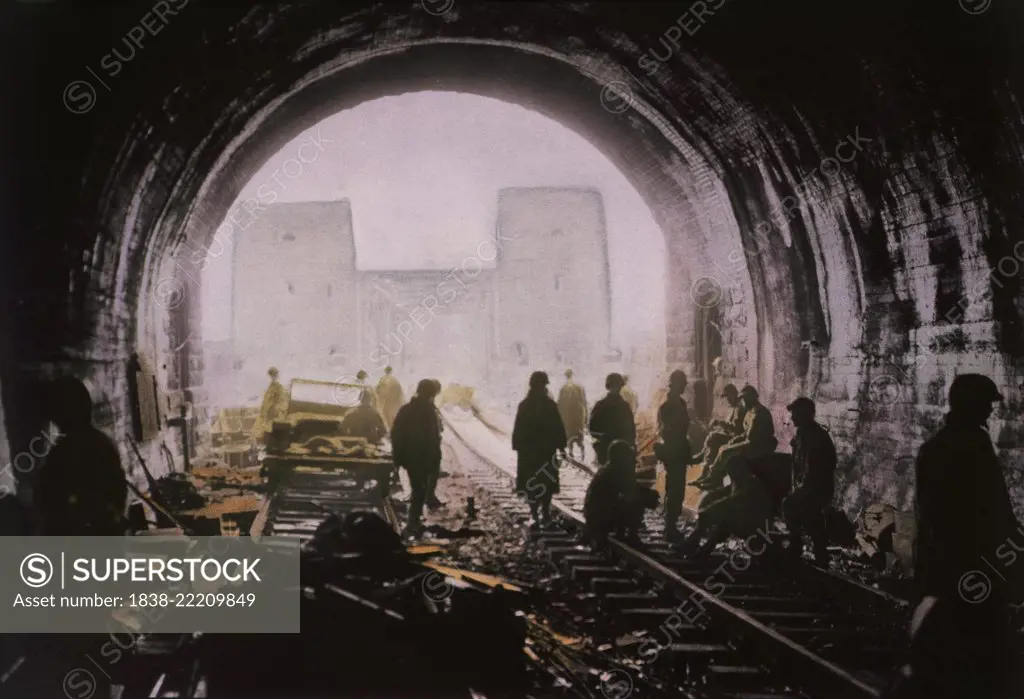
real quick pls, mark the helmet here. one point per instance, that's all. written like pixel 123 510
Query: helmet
pixel 802 404
pixel 749 391
pixel 970 389
pixel 426 388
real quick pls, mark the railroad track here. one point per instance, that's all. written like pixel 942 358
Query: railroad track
pixel 302 502
pixel 298 506
pixel 791 630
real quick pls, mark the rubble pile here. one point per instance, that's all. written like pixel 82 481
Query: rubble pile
pixel 214 475
pixel 177 492
pixel 880 554
pixel 383 608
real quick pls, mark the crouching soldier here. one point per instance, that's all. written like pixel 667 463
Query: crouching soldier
pixel 416 446
pixel 614 503
pixel 814 466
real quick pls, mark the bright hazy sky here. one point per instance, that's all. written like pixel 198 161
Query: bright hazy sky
pixel 422 171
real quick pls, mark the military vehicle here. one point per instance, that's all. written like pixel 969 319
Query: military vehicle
pixel 310 437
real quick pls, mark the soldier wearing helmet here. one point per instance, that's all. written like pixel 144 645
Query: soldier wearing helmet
pixel 537 438
pixel 674 449
pixel 368 388
pixel 758 439
pixel 274 406
pixel 81 489
pixel 416 447
pixel 721 431
pixel 572 407
pixel 960 645
pixel 611 419
pixel 814 465
pixel 390 395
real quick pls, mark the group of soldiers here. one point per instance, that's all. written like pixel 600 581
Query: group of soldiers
pixel 961 637
pixel 962 642
pixel 615 502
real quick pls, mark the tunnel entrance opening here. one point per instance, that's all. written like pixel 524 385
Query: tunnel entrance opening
pixel 668 174
pixel 433 226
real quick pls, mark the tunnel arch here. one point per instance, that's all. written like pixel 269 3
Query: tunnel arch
pixel 552 85
pixel 856 272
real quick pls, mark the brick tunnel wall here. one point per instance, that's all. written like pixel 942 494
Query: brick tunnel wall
pixel 728 124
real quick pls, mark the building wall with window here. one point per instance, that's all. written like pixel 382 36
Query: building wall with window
pixel 295 298
pixel 553 298
pixel 300 304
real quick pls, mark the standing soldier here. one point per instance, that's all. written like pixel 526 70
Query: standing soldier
pixel 674 450
pixel 814 466
pixel 433 502
pixel 629 395
pixel 361 380
pixel 81 489
pixel 611 419
pixel 572 407
pixel 391 397
pixel 537 437
pixel 274 406
pixel 961 640
pixel 416 446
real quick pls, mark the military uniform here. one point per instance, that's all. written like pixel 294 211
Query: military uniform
pixel 674 451
pixel 964 514
pixel 416 446
pixel 81 489
pixel 391 397
pixel 814 465
pixel 274 407
pixel 537 436
pixel 722 431
pixel 758 439
pixel 611 503
pixel 610 420
pixel 572 408
pixel 363 421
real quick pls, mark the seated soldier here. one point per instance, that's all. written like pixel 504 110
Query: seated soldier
pixel 364 421
pixel 613 503
pixel 814 464
pixel 758 439
pixel 739 510
pixel 721 432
